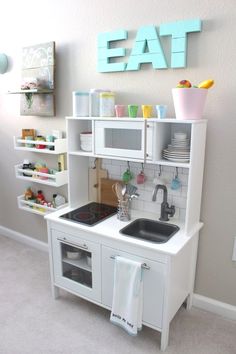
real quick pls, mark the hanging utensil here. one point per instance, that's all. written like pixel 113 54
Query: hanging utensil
pixel 176 183
pixel 127 175
pixel 141 176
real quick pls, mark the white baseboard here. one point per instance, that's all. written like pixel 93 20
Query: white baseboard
pixel 214 306
pixel 17 236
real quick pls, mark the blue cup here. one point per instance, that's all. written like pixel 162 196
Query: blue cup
pixel 161 110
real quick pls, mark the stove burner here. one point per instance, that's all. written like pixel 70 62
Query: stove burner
pixel 84 215
pixel 90 214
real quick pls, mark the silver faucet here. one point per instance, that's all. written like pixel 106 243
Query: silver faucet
pixel 165 209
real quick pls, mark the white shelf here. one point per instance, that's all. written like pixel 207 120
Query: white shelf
pixel 140 119
pixel 82 153
pixel 55 180
pixel 171 163
pixel 34 207
pixel 80 263
pixel 35 91
pixel 59 146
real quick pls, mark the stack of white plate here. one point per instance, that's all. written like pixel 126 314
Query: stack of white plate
pixel 179 149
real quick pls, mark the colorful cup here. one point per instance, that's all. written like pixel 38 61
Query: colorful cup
pixel 120 110
pixel 161 110
pixel 132 110
pixel 147 111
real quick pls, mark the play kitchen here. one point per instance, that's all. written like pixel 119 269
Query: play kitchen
pixel 101 224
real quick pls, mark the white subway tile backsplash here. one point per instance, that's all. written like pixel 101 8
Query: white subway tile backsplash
pixel 113 170
pixel 151 207
pixel 116 168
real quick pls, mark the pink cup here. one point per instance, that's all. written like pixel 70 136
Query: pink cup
pixel 120 110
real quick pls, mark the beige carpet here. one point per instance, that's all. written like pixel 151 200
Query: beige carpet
pixel 32 322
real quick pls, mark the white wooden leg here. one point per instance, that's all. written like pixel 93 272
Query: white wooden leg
pixel 55 292
pixel 164 338
pixel 189 301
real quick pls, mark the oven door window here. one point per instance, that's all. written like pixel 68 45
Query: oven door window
pixel 76 264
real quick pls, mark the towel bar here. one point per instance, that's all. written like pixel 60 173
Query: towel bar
pixel 144 265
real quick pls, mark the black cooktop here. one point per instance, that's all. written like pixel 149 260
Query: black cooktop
pixel 90 214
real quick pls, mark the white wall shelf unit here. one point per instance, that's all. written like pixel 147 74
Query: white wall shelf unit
pixel 54 180
pixel 36 208
pixel 58 179
pixel 59 146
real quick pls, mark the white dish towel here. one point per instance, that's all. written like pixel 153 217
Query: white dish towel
pixel 127 305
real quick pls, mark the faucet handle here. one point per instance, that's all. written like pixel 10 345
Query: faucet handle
pixel 172 211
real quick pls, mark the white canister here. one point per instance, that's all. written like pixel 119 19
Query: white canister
pixel 94 104
pixel 107 104
pixel 80 104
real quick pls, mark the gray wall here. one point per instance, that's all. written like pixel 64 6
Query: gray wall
pixel 74 26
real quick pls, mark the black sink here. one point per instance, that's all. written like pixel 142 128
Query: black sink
pixel 150 230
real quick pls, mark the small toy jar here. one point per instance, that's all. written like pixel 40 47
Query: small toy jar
pixel 40 138
pixel 107 104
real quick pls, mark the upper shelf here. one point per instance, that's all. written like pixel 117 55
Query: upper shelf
pixel 59 145
pixel 36 91
pixel 140 119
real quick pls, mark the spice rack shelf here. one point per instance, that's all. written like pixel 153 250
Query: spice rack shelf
pixel 55 180
pixel 59 146
pixel 36 208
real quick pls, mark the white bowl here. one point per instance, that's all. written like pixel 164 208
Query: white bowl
pixel 74 255
pixel 86 147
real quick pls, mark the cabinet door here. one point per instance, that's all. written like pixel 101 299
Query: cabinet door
pixel 153 283
pixel 76 265
pixel 121 139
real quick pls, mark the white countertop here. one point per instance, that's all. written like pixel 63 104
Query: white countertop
pixel 111 226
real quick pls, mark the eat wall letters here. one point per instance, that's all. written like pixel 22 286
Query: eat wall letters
pixel 147 47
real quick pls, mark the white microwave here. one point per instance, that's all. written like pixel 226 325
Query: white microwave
pixel 124 139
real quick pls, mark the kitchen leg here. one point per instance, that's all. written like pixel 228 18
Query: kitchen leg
pixel 164 337
pixel 55 292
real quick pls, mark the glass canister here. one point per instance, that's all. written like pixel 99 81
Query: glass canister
pixel 94 102
pixel 107 104
pixel 80 104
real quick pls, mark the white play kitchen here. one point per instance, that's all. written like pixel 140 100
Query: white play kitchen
pixel 87 238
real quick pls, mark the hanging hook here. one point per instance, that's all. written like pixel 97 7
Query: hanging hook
pixel 142 168
pixel 128 165
pixel 94 163
pixel 160 170
pixel 176 172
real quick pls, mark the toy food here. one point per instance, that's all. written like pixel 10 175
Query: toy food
pixel 206 84
pixel 184 84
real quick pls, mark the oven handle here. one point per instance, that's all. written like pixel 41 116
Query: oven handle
pixel 64 240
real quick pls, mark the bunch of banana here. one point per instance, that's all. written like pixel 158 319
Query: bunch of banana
pixel 206 84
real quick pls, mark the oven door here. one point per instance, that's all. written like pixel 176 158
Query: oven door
pixel 76 265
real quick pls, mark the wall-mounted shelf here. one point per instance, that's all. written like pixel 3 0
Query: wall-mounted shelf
pixel 36 208
pixel 34 91
pixel 37 95
pixel 59 146
pixel 55 180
